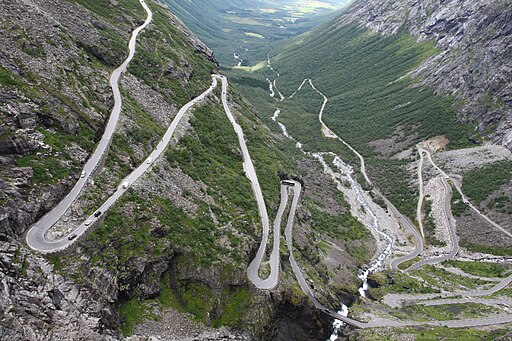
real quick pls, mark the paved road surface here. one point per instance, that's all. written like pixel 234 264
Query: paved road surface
pixel 378 322
pixel 382 322
pixel 465 199
pixel 454 240
pixel 396 300
pixel 35 236
pixel 400 218
pixel 250 172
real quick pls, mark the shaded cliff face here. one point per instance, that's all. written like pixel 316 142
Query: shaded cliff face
pixel 475 65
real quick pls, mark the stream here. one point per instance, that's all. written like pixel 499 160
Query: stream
pixel 343 172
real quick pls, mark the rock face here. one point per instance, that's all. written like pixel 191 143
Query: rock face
pixel 41 47
pixel 475 63
pixel 38 304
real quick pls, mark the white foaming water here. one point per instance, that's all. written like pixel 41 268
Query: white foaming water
pixel 271 88
pixel 379 261
pixel 337 324
pixel 276 114
pixel 347 171
pixel 363 288
pixel 238 58
pixel 283 128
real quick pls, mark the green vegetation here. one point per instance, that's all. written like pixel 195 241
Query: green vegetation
pixel 481 268
pixel 481 182
pixel 446 311
pixel 233 27
pixel 300 116
pixel 359 252
pixel 46 170
pixel 370 98
pixel 501 203
pixel 189 297
pixel 493 250
pixel 164 65
pixel 133 234
pixel 8 79
pixel 507 292
pixel 410 262
pixel 111 11
pixel 432 333
pixel 236 302
pixel 197 299
pixel 360 74
pixel 397 282
pixel 440 278
pixel 457 204
pixel 343 226
pixel 134 312
pixel 213 157
pixel 390 176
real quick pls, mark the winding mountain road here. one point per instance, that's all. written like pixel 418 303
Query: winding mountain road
pixel 396 300
pixel 399 217
pixel 464 198
pixel 35 236
pixel 384 322
pixel 250 172
pixel 378 322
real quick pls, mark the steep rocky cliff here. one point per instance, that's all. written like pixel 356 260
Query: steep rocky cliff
pixel 475 65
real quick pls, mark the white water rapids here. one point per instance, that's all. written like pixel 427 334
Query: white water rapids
pixel 337 324
pixel 344 172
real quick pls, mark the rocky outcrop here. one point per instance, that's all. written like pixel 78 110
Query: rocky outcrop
pixel 46 74
pixel 475 62
pixel 38 304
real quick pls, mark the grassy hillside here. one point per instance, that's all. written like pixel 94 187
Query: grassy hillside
pixel 364 75
pixel 372 101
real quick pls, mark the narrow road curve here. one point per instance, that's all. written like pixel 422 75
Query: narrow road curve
pixel 250 173
pixel 383 322
pixel 464 198
pixel 419 209
pixel 386 252
pixel 486 301
pixel 400 218
pixel 377 322
pixel 396 300
pixel 35 235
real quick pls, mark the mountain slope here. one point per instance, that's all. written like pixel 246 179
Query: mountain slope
pixel 385 81
pixel 243 31
pixel 476 60
pixel 410 80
